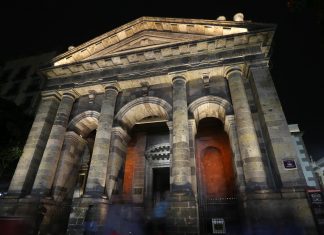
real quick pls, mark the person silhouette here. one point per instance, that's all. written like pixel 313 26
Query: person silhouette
pixel 160 214
pixel 90 225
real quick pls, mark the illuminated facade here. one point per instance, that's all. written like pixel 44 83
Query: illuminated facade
pixel 159 105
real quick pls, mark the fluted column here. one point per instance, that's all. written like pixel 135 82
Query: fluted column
pixel 180 164
pixel 117 156
pixel 99 162
pixel 68 166
pixel 46 171
pixel 254 172
pixel 29 161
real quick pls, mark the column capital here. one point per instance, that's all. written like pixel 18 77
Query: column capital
pixel 178 75
pixel 71 93
pixel 112 87
pixel 231 70
pixel 179 78
pixel 121 133
pixel 51 94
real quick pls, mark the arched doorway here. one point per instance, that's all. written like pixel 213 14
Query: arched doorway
pixel 214 160
pixel 216 177
pixel 144 171
pixel 85 125
pixel 146 174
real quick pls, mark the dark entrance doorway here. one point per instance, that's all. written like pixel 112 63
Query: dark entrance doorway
pixel 218 205
pixel 161 183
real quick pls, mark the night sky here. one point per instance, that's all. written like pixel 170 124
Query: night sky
pixel 34 27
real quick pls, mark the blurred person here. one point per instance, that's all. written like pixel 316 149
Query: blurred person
pixel 159 217
pixel 90 225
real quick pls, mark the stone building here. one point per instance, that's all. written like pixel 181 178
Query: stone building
pixel 318 167
pixel 158 105
pixel 304 159
pixel 20 93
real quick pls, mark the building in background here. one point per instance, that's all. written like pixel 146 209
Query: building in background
pixel 304 159
pixel 313 173
pixel 20 83
pixel 20 92
pixel 163 106
pixel 318 167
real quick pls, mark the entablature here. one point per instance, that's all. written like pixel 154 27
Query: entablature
pixel 217 46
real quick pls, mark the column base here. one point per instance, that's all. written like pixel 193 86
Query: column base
pixel 86 209
pixel 187 188
pixel 182 217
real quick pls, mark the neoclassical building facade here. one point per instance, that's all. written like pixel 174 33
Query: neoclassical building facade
pixel 161 106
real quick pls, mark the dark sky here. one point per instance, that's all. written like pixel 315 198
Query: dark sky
pixel 31 27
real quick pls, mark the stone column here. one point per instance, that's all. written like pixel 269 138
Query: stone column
pixel 28 164
pixel 117 156
pixel 99 162
pixel 46 171
pixel 180 164
pixel 254 172
pixel 68 166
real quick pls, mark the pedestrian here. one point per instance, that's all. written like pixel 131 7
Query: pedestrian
pixel 160 215
pixel 90 225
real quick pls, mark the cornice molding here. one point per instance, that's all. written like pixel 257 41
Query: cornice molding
pixel 166 52
pixel 178 25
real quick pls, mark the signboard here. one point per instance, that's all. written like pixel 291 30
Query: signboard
pixel 316 199
pixel 218 226
pixel 315 196
pixel 289 164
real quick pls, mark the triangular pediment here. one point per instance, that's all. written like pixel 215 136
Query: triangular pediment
pixel 146 40
pixel 150 32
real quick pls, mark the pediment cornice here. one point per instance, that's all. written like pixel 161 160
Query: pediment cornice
pixel 121 59
pixel 193 27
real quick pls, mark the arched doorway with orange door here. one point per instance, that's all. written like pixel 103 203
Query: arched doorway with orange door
pixel 216 171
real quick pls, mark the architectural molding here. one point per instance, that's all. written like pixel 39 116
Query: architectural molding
pixel 143 107
pixel 210 45
pixel 210 106
pixel 205 28
pixel 84 123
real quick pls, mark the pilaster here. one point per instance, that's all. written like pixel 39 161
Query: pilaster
pixel 230 129
pixel 275 127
